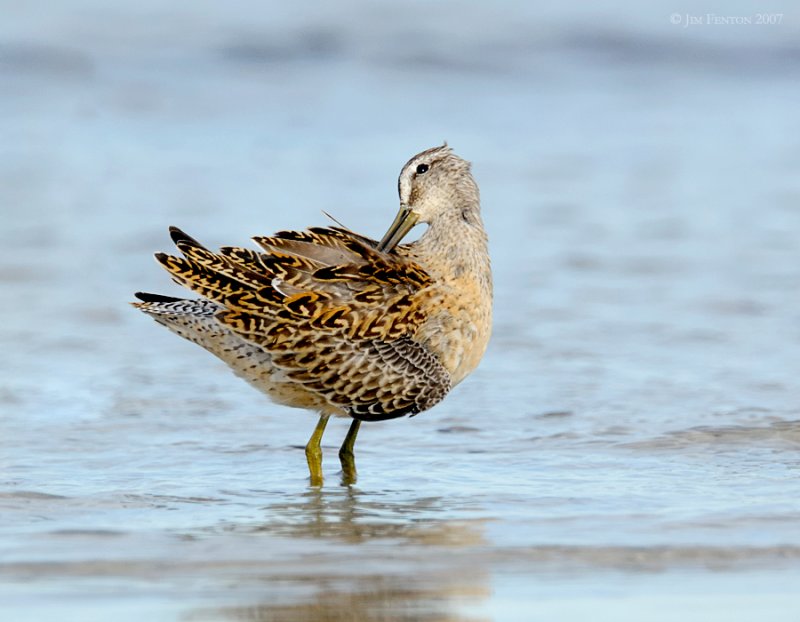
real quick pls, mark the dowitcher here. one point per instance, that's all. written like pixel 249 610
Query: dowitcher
pixel 338 323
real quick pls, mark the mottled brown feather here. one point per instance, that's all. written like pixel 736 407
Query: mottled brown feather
pixel 337 316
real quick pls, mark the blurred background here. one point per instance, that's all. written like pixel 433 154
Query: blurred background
pixel 627 450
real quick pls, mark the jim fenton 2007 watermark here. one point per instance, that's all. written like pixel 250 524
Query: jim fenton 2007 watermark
pixel 713 19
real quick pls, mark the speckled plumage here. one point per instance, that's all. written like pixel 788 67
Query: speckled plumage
pixel 332 321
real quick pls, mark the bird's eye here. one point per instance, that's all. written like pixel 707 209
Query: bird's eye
pixel 422 168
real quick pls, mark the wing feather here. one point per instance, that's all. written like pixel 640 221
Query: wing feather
pixel 336 315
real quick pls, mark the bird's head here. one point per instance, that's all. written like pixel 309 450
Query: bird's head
pixel 434 184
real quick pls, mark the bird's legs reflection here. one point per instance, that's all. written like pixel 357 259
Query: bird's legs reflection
pixel 437 566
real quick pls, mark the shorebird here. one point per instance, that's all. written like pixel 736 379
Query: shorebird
pixel 335 322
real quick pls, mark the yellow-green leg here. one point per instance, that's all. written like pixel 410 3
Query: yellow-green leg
pixel 346 455
pixel 314 452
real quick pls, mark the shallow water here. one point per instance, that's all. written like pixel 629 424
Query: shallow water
pixel 630 446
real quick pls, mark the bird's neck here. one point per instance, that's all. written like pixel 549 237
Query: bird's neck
pixel 455 247
pixel 453 251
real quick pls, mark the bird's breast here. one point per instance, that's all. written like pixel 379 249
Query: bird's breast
pixel 458 325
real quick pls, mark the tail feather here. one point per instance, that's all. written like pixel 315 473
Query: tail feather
pixel 148 297
pixel 156 305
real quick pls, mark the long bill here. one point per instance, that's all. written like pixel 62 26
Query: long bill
pixel 402 224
